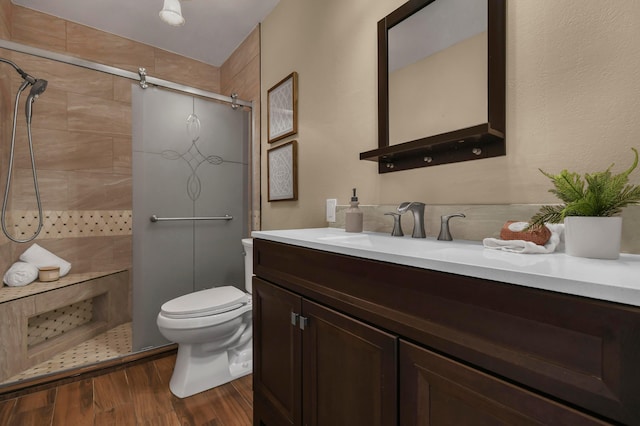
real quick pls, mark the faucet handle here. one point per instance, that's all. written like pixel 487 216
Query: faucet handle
pixel 445 234
pixel 397 226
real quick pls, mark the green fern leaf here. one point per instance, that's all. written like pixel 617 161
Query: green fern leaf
pixel 547 214
pixel 568 187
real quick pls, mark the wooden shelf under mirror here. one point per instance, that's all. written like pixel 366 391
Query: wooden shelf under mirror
pixel 467 144
pixel 437 143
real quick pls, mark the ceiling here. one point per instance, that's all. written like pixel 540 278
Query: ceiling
pixel 212 31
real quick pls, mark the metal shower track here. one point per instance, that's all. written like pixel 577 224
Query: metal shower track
pixel 17 47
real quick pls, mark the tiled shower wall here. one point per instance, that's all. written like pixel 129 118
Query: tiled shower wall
pixel 82 132
pixel 82 140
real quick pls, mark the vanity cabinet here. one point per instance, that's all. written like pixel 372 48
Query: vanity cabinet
pixel 392 344
pixel 315 366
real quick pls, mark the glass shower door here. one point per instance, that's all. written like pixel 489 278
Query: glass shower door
pixel 190 160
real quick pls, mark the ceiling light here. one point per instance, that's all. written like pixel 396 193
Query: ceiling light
pixel 171 13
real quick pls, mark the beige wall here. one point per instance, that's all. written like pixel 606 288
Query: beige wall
pixel 573 96
pixel 82 131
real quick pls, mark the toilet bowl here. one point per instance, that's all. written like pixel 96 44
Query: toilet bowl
pixel 213 331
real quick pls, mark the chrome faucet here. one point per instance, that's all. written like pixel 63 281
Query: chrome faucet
pixel 417 209
pixel 445 234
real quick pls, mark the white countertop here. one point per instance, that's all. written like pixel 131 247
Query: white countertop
pixel 612 280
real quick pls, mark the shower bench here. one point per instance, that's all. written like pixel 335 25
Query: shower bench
pixel 42 319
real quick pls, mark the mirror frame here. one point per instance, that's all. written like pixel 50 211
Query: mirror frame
pixel 471 143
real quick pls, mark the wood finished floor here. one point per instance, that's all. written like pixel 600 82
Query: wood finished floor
pixel 135 395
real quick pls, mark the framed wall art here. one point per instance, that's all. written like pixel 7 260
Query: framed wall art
pixel 282 172
pixel 282 108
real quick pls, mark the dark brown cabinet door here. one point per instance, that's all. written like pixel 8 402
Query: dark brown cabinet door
pixel 276 356
pixel 326 370
pixel 350 371
pixel 435 390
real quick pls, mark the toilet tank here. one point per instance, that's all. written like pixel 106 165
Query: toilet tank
pixel 247 244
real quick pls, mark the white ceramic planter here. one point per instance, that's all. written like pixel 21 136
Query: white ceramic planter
pixel 593 237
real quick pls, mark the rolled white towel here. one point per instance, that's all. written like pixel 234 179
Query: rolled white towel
pixel 41 257
pixel 19 274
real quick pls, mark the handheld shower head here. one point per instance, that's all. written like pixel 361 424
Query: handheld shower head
pixel 38 87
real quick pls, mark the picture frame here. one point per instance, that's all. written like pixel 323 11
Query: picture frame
pixel 282 108
pixel 282 172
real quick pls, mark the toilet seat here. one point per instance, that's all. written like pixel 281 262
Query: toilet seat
pixel 205 303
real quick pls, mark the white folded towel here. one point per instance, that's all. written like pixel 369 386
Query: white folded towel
pixel 41 257
pixel 19 274
pixel 521 246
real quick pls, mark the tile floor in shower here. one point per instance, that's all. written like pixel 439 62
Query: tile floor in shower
pixel 109 345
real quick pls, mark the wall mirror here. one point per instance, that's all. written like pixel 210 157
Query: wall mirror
pixel 441 83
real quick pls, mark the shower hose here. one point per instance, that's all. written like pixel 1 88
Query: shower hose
pixel 3 218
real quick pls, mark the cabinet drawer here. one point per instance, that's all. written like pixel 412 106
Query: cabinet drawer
pixel 575 349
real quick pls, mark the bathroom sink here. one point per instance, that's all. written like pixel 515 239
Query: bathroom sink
pixel 384 244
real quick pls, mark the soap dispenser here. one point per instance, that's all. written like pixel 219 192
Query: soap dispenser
pixel 353 216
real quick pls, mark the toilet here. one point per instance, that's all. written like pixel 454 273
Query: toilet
pixel 213 331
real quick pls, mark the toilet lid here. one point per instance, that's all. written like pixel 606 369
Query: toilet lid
pixel 205 302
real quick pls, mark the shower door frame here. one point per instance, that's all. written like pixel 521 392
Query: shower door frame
pixel 141 76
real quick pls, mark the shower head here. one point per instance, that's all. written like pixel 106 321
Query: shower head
pixel 38 87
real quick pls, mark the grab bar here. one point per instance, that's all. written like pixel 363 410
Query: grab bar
pixel 155 218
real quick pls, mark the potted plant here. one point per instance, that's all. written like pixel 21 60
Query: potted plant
pixel 590 209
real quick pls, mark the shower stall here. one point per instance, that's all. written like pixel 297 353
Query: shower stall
pixel 144 212
pixel 190 201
